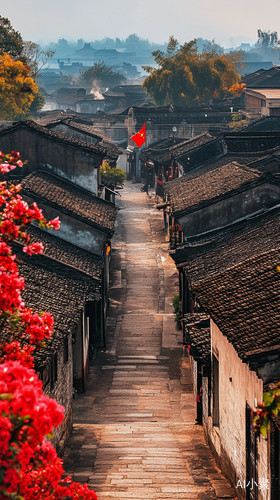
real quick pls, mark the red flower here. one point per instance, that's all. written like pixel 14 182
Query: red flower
pixel 55 223
pixel 34 248
pixel 29 466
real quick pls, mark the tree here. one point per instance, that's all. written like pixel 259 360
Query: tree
pixel 28 52
pixel 29 466
pixel 101 76
pixel 10 40
pixel 15 98
pixel 187 78
pixel 17 88
pixel 111 177
pixel 35 57
pixel 267 39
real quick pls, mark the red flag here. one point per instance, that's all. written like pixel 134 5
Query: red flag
pixel 140 137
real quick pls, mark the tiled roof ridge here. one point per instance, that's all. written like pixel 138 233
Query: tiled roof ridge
pixel 256 158
pixel 185 178
pixel 248 134
pixel 77 126
pixel 192 139
pixel 86 128
pixel 38 260
pixel 92 148
pixel 266 159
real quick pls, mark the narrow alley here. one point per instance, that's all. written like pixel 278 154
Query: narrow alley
pixel 134 434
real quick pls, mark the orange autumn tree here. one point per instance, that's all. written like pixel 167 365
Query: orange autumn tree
pixel 237 88
pixel 17 89
pixel 185 77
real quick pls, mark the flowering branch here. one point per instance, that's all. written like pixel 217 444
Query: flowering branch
pixel 29 466
pixel 266 410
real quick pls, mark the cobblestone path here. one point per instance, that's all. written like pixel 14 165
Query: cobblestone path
pixel 135 435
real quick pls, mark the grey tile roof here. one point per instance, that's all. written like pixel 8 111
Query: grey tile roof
pixel 57 136
pixel 62 296
pixel 112 150
pixel 217 251
pixel 244 302
pixel 178 150
pixel 67 253
pixel 71 198
pixel 184 193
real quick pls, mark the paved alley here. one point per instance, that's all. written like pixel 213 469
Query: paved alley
pixel 135 435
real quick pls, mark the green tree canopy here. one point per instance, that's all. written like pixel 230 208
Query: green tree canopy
pixel 111 177
pixel 185 77
pixel 10 40
pixel 102 76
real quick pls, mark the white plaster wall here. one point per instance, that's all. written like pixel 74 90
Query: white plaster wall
pixel 245 387
pixel 73 230
pixel 123 163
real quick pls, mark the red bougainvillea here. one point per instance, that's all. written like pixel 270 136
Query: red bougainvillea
pixel 29 466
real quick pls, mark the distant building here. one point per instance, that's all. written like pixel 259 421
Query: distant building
pixel 87 52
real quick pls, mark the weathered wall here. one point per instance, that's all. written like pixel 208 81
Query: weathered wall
pixel 70 132
pixel 253 102
pixel 187 126
pixel 45 153
pixel 193 366
pixel 78 376
pixel 72 229
pixel 229 439
pixel 62 392
pixel 226 211
pixel 88 106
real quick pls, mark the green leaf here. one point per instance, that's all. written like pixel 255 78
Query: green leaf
pixel 3 397
pixel 263 431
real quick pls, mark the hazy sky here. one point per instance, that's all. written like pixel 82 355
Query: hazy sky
pixel 229 22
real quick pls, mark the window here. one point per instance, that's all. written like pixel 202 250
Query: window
pixel 216 402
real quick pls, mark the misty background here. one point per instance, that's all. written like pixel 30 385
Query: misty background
pixel 230 23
